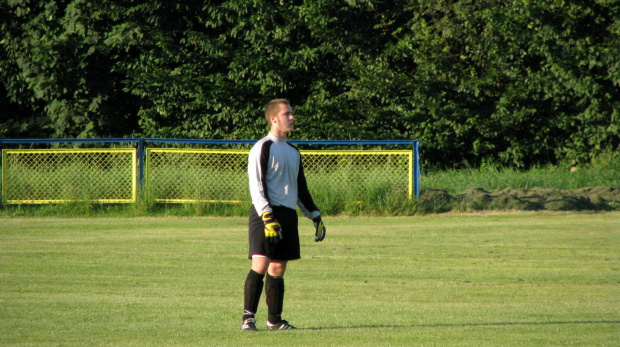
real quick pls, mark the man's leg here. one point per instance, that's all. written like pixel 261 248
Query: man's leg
pixel 252 291
pixel 274 290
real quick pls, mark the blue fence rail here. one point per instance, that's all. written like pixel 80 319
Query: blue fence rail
pixel 142 143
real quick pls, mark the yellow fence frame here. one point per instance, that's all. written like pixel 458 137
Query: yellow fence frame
pixel 134 174
pixel 137 177
pixel 150 151
pixel 408 153
pixel 147 172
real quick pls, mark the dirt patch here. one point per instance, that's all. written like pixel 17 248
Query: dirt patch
pixel 534 199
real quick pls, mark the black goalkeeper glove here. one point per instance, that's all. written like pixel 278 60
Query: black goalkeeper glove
pixel 319 229
pixel 273 230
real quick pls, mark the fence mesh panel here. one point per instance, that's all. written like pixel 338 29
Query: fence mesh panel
pixel 357 174
pixel 191 175
pixel 184 175
pixel 63 175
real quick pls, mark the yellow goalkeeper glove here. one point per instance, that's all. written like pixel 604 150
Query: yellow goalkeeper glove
pixel 319 229
pixel 273 230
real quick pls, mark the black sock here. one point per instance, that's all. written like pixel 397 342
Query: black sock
pixel 274 290
pixel 251 293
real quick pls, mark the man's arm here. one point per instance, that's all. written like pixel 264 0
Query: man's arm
pixel 257 172
pixel 304 198
pixel 305 202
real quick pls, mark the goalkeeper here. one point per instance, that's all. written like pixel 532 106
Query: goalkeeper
pixel 277 187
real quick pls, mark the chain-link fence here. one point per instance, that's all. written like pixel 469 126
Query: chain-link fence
pixel 186 175
pixel 203 175
pixel 62 175
pixel 357 174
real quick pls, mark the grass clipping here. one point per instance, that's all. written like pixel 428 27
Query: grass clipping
pixel 534 199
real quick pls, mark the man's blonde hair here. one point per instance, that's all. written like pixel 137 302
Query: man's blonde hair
pixel 273 107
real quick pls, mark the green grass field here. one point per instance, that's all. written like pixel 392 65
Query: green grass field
pixel 493 279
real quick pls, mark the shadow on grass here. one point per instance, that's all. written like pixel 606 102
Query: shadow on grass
pixel 457 325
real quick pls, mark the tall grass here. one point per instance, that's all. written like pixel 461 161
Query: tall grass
pixel 203 183
pixel 601 173
pixel 73 181
pixel 372 191
pixel 340 192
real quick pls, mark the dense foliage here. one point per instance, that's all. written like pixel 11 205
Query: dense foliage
pixel 515 82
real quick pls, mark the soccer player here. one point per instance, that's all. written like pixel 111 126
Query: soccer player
pixel 277 187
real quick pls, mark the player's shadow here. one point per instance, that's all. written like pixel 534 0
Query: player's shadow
pixel 443 325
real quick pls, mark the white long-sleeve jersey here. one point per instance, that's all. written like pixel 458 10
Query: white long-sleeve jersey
pixel 277 177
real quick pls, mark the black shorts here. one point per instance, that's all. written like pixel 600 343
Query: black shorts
pixel 288 247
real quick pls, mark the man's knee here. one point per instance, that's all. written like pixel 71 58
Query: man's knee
pixel 260 264
pixel 277 268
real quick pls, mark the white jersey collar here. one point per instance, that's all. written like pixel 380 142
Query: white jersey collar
pixel 274 138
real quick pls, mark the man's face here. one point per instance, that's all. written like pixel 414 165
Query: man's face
pixel 284 121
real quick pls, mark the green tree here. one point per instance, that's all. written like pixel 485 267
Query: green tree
pixel 516 83
pixel 56 61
